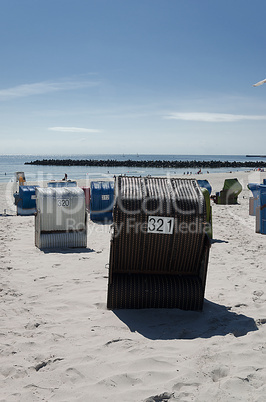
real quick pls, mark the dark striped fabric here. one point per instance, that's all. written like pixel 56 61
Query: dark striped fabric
pixel 158 269
pixel 155 291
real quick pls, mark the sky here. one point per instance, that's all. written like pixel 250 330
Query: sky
pixel 132 76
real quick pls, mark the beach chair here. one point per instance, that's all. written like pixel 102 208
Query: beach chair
pixel 101 201
pixel 261 211
pixel 20 178
pixel 257 206
pixel 208 227
pixel 159 246
pixel 255 200
pixel 25 200
pixel 62 183
pixel 87 192
pixel 205 184
pixel 61 218
pixel 228 195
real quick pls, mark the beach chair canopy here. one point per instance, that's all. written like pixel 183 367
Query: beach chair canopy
pixel 205 184
pixel 101 201
pixel 62 183
pixel 254 188
pixel 25 200
pixel 20 175
pixel 261 210
pixel 228 195
pixel 233 185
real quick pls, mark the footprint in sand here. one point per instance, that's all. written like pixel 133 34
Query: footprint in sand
pixel 31 326
pixel 257 295
pixel 241 305
pixel 219 373
pixel 261 321
pixel 40 278
pixel 74 375
pixel 161 398
pixel 178 386
pixel 13 372
pixel 100 306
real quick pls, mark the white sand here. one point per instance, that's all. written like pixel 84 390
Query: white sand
pixel 60 343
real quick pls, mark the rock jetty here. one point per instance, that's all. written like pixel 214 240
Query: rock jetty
pixel 147 164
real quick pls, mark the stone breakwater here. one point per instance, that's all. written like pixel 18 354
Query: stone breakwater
pixel 147 164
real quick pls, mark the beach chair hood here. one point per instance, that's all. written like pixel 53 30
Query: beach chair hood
pixel 233 185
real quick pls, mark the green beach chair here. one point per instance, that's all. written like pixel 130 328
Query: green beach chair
pixel 228 195
pixel 208 228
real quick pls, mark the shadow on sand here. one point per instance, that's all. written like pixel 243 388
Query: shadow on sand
pixel 218 241
pixel 168 324
pixel 69 250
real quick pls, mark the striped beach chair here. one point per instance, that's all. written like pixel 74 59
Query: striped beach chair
pixel 160 244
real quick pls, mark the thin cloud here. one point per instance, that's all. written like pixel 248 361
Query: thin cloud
pixel 212 117
pixel 74 130
pixel 43 88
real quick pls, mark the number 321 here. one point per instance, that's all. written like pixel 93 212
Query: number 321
pixel 159 224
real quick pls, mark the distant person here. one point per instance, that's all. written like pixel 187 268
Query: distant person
pixel 65 178
pixel 21 181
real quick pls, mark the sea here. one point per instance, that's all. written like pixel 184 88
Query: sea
pixel 9 164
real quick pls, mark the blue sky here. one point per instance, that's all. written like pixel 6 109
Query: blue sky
pixel 124 76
